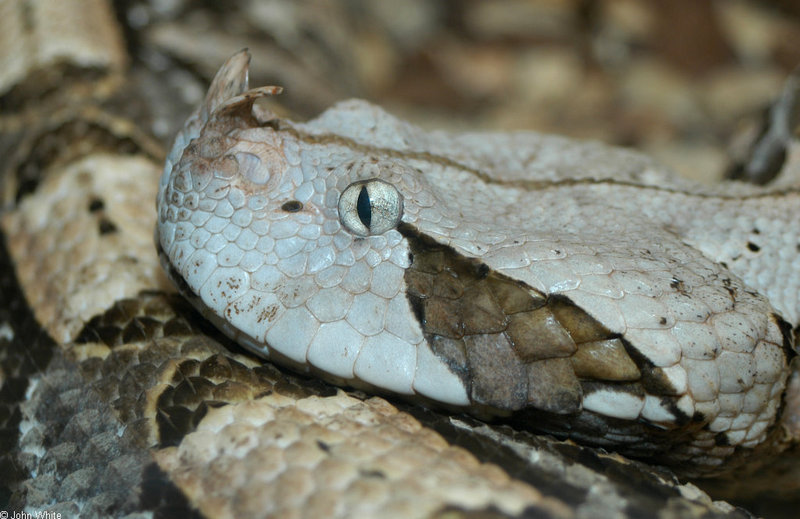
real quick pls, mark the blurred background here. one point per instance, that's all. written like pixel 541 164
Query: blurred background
pixel 675 78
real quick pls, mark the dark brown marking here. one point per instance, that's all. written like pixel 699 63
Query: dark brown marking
pixel 582 327
pixel 419 283
pixel 146 318
pixel 498 378
pixel 447 285
pixel 442 317
pixel 590 386
pixel 553 386
pixel 512 346
pixel 514 298
pixel 106 226
pixel 652 378
pixel 538 335
pixel 480 311
pixel 604 360
pixel 453 352
pixel 788 336
pixel 96 204
pixel 292 206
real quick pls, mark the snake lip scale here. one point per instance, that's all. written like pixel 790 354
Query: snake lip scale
pixel 581 290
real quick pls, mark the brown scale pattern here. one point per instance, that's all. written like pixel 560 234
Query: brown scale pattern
pixel 151 316
pixel 196 386
pixel 161 373
pixel 175 392
pixel 491 329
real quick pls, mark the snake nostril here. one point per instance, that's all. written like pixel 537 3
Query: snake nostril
pixel 292 206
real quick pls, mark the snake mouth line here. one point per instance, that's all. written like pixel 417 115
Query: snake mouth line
pixel 172 272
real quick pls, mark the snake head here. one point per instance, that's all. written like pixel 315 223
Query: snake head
pixel 288 241
pixel 461 269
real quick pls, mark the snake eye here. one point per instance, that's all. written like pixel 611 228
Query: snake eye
pixel 370 207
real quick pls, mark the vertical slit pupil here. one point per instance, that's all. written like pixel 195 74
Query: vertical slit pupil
pixel 364 207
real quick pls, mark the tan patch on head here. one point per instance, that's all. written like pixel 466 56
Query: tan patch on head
pixel 604 360
pixel 538 335
pixel 497 375
pixel 513 346
pixel 553 386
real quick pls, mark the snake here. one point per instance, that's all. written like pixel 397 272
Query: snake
pixel 509 282
pixel 518 301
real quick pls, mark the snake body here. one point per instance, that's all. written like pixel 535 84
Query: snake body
pixel 585 293
pixel 117 399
